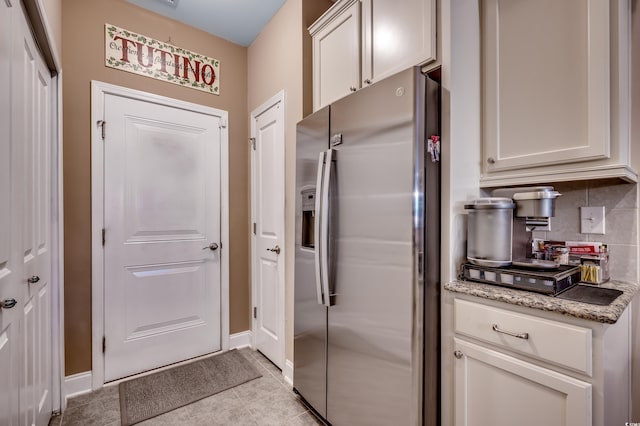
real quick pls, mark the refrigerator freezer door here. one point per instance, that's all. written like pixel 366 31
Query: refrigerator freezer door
pixel 374 344
pixel 310 317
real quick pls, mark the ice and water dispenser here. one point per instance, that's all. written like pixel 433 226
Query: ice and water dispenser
pixel 308 217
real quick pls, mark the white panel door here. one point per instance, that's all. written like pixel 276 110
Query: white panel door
pixel 10 236
pixel 268 241
pixel 31 119
pixel 161 215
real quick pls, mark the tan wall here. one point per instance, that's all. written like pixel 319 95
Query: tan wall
pixel 275 62
pixel 83 60
pixel 53 11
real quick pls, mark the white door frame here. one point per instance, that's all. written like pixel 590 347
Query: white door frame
pixel 98 92
pixel 57 251
pixel 274 100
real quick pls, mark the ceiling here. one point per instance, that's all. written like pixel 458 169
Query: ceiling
pixel 239 21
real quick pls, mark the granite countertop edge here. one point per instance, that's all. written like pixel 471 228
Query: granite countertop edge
pixel 604 314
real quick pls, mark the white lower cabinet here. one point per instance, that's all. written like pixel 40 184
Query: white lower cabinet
pixel 492 388
pixel 505 364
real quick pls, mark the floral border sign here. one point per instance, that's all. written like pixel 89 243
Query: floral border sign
pixel 128 51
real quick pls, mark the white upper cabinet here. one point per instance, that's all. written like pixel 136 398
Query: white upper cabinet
pixel 336 53
pixel 357 42
pixel 396 34
pixel 555 91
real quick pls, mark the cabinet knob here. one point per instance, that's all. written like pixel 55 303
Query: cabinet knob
pixel 34 279
pixel 367 81
pixel 353 89
pixel 491 160
pixel 458 354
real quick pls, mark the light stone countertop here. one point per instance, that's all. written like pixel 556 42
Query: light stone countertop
pixel 604 314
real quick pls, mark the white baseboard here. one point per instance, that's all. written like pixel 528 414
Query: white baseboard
pixel 76 384
pixel 240 340
pixel 288 372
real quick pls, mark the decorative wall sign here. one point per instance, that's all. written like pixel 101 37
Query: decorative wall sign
pixel 128 51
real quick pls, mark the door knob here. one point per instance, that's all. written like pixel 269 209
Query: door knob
pixel 34 279
pixel 8 303
pixel 276 249
pixel 212 247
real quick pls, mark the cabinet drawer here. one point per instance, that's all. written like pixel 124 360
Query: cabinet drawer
pixel 555 342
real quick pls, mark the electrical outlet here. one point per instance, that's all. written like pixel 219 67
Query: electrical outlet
pixel 592 220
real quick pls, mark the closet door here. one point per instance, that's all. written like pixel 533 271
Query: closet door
pixel 31 83
pixel 10 235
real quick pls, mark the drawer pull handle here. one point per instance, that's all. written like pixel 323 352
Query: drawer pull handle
pixel 523 336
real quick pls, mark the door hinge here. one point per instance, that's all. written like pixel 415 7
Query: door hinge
pixel 103 125
pixel 253 143
pixel 255 312
pixel 222 124
pixel 254 228
pixel 103 239
pixel 104 344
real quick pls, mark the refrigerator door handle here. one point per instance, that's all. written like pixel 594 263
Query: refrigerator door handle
pixel 317 224
pixel 324 226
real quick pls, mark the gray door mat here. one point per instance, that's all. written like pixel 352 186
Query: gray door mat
pixel 149 396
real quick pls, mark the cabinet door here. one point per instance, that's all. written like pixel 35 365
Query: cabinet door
pixel 491 388
pixel 546 86
pixel 336 56
pixel 397 34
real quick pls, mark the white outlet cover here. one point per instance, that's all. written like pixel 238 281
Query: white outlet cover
pixel 592 220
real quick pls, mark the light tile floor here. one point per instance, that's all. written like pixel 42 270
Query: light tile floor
pixel 267 400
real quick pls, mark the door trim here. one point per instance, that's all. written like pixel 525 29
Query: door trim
pixel 274 100
pixel 98 92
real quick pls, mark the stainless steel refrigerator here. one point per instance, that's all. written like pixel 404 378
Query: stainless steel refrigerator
pixel 366 325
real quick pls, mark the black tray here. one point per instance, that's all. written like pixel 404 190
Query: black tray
pixel 590 294
pixel 549 282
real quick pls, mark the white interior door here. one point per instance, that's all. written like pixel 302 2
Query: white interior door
pixel 10 236
pixel 267 131
pixel 31 120
pixel 162 298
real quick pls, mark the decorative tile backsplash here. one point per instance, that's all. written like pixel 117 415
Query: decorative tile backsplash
pixel 621 220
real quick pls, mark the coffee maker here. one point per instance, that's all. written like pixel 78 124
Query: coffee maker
pixel 532 209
